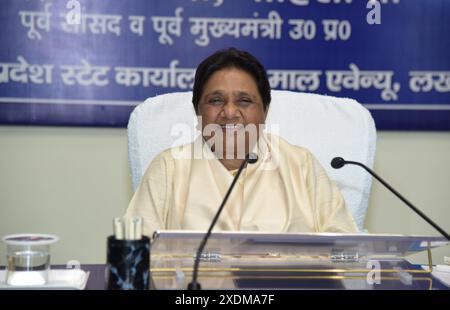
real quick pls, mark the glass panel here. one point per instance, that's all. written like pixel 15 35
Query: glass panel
pixel 262 260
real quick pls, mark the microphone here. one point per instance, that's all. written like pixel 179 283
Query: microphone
pixel 250 158
pixel 339 162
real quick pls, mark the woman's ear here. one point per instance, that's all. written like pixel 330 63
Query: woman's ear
pixel 266 111
pixel 199 125
pixel 197 109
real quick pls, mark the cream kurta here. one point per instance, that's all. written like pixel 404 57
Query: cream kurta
pixel 285 191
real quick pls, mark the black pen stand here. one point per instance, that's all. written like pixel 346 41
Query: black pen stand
pixel 128 264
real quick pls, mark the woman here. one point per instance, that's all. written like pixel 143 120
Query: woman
pixel 286 190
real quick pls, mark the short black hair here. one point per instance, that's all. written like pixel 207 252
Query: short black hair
pixel 227 58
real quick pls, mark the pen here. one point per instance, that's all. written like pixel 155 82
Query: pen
pixel 118 228
pixel 137 221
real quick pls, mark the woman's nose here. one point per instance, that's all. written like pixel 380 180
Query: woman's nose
pixel 230 110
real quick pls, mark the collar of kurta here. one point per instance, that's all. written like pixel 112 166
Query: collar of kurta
pixel 266 148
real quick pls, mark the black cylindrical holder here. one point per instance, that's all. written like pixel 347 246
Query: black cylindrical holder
pixel 128 264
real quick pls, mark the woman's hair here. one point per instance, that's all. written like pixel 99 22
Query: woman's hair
pixel 231 58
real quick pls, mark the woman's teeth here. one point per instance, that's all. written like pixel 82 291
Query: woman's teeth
pixel 231 126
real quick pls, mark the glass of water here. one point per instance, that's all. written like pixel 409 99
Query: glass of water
pixel 28 258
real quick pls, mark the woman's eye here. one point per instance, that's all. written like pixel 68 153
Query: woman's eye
pixel 245 101
pixel 215 101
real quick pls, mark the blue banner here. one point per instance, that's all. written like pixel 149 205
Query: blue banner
pixel 88 63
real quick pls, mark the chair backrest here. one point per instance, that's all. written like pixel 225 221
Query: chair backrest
pixel 327 126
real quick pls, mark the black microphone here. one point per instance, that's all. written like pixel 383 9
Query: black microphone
pixel 339 162
pixel 251 158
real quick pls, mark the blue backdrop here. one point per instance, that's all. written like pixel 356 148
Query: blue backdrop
pixel 90 67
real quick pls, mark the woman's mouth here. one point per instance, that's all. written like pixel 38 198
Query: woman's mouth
pixel 232 126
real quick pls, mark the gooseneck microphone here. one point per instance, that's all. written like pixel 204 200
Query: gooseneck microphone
pixel 251 158
pixel 339 162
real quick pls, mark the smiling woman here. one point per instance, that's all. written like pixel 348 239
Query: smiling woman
pixel 232 96
pixel 231 100
pixel 285 191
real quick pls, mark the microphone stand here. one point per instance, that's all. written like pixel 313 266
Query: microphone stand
pixel 194 285
pixel 339 162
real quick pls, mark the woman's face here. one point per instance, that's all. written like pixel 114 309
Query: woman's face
pixel 231 109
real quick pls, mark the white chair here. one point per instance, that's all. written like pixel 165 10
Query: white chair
pixel 327 126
